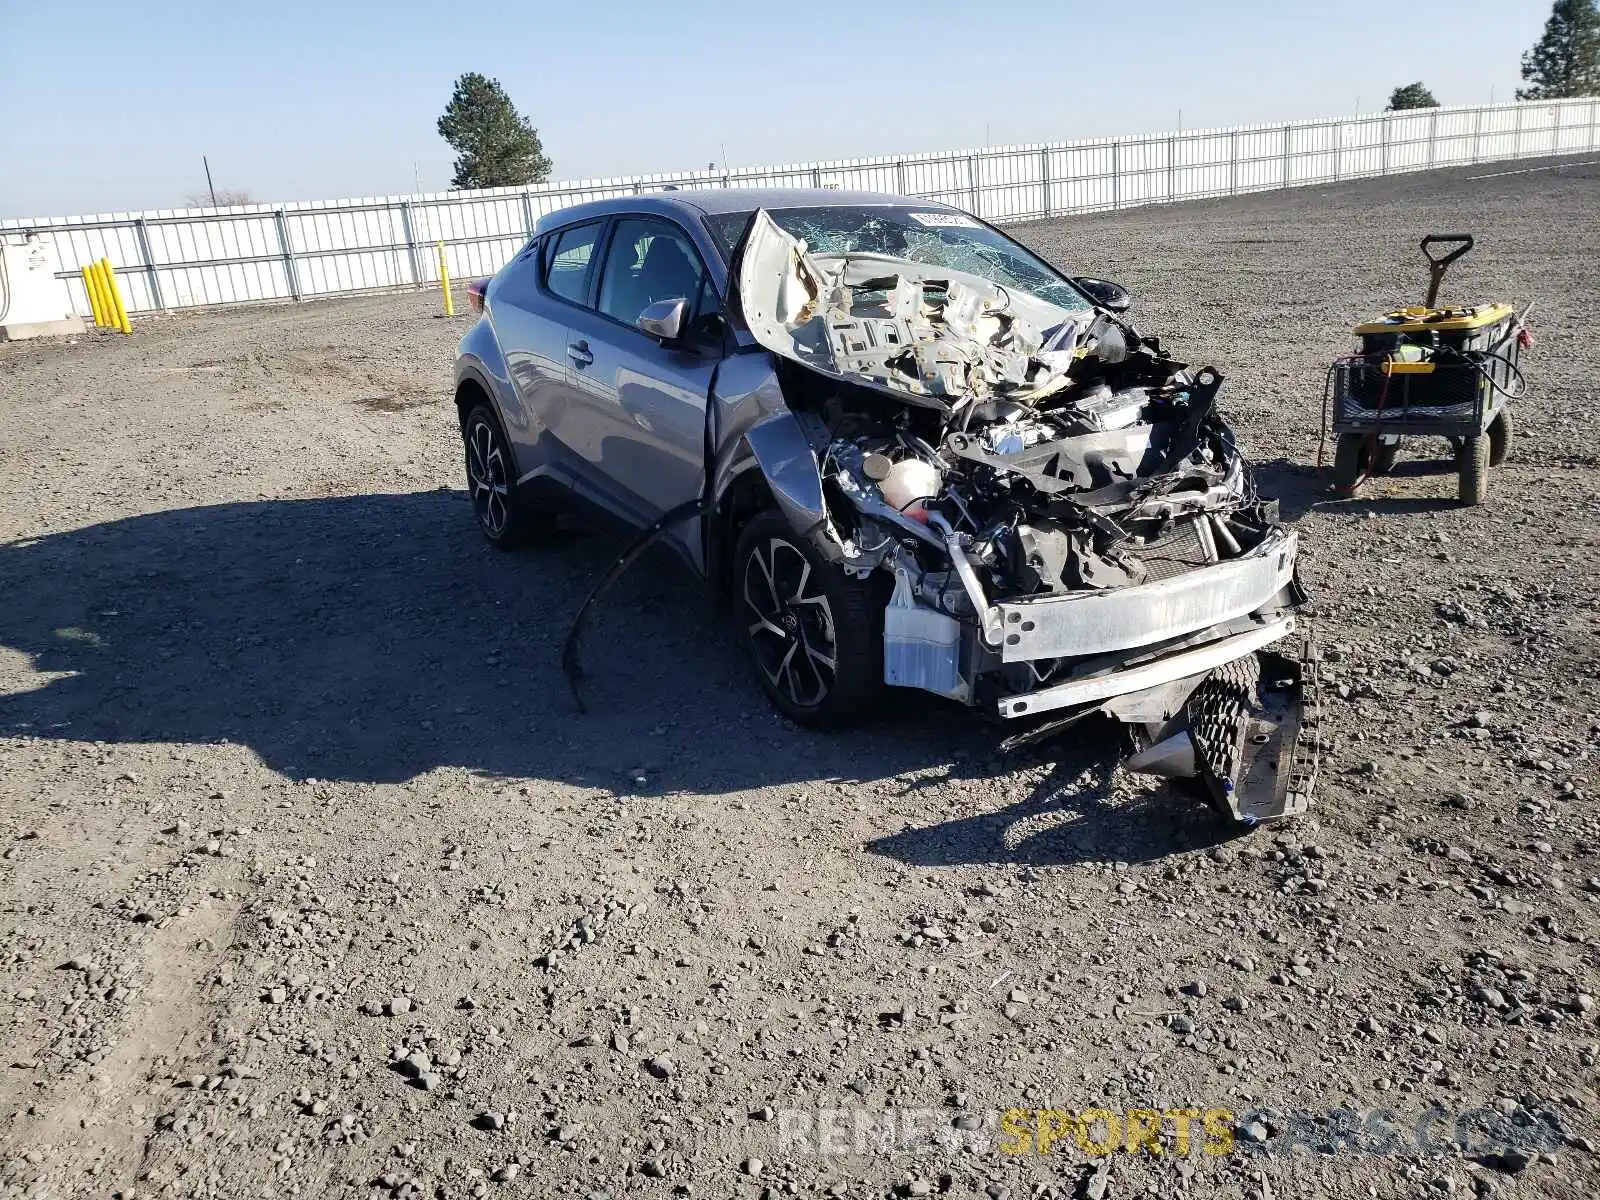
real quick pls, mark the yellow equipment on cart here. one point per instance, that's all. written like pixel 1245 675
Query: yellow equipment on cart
pixel 1429 371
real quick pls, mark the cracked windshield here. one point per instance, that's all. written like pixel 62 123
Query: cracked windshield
pixel 947 239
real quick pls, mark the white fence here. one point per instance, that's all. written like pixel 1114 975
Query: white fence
pixel 182 258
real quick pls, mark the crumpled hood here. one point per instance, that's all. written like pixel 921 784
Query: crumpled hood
pixel 925 333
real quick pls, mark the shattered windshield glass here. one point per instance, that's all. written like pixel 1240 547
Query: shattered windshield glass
pixel 926 235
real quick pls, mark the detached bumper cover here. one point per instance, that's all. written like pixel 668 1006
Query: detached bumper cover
pixel 1254 730
pixel 1147 614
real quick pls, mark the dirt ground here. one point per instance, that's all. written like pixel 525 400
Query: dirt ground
pixel 315 883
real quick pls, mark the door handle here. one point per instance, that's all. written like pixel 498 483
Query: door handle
pixel 578 352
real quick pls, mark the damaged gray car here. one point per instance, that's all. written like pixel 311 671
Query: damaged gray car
pixel 912 453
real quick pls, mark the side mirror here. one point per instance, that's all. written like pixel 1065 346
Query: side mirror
pixel 664 319
pixel 1107 295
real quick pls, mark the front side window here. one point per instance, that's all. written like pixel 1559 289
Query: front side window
pixel 649 260
pixel 567 274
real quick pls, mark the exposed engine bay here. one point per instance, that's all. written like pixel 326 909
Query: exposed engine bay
pixel 1068 523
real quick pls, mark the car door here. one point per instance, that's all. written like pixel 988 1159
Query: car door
pixel 645 397
pixel 530 305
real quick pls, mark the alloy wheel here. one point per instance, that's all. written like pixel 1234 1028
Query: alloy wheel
pixel 792 635
pixel 488 477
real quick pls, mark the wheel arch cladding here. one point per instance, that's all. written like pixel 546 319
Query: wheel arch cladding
pixel 744 497
pixel 470 392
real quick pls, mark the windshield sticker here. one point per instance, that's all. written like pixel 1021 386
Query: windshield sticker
pixel 943 220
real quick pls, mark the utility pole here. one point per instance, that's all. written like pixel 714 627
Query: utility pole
pixel 210 187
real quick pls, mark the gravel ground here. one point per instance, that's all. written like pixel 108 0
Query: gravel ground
pixel 316 884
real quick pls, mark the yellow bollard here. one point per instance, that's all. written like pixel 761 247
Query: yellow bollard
pixel 92 289
pixel 118 311
pixel 107 313
pixel 444 278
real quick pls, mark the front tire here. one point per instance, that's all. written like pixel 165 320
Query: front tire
pixel 814 633
pixel 502 512
pixel 1472 467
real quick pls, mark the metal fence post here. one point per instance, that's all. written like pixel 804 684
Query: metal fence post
pixel 816 177
pixel 527 212
pixel 1233 163
pixel 900 177
pixel 1172 168
pixel 1433 136
pixel 411 242
pixel 1116 174
pixel 1044 178
pixel 1338 150
pixel 150 273
pixel 1477 129
pixel 1516 135
pixel 290 272
pixel 973 186
pixel 1287 133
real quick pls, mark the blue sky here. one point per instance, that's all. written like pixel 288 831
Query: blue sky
pixel 109 107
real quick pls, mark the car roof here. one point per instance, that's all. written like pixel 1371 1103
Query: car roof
pixel 696 202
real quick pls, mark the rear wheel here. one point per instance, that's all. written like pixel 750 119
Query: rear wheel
pixel 1383 459
pixel 1472 469
pixel 814 633
pixel 503 514
pixel 1501 431
pixel 1351 457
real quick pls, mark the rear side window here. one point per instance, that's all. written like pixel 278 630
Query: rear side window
pixel 567 266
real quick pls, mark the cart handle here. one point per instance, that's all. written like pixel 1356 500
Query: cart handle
pixel 1438 266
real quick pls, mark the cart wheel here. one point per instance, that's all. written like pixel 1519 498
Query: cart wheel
pixel 1472 468
pixel 1501 431
pixel 1383 461
pixel 1350 459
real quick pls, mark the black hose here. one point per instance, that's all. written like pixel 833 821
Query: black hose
pixel 570 667
pixel 1478 360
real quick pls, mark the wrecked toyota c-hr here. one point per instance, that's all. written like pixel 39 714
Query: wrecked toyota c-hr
pixel 912 453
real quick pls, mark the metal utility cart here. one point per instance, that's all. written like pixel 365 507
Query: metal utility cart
pixel 1429 371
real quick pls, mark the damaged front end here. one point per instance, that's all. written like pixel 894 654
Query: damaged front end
pixel 1068 522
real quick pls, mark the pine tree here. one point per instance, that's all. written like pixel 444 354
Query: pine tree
pixel 495 145
pixel 1413 95
pixel 1565 62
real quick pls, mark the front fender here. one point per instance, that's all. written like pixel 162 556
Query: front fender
pixel 790 468
pixel 753 429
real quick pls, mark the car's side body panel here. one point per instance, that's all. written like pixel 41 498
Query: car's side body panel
pixel 641 407
pixel 636 411
pixel 481 361
pixel 532 335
